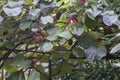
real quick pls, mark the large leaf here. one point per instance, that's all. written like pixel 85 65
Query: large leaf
pixel 103 2
pixel 45 47
pixel 28 1
pixel 52 31
pixel 95 35
pixel 9 44
pixel 78 31
pixel 78 52
pixel 8 67
pixel 66 68
pixel 52 37
pixel 14 4
pixel 115 49
pixel 93 53
pixel 46 19
pixel 24 25
pixel 90 23
pixel 90 16
pixel 55 57
pixel 20 61
pixel 94 12
pixel 52 34
pixel 19 75
pixel 66 34
pixel 116 36
pixel 34 14
pixel 34 75
pixel 35 2
pixel 117 23
pixel 12 11
pixel 110 19
pixel 85 41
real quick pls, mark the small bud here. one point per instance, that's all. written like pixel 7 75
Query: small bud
pixel 75 20
pixel 67 23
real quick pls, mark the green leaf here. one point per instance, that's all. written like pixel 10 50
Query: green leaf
pixel 95 35
pixel 90 23
pixel 104 3
pixel 45 47
pixel 33 14
pixel 78 52
pixel 115 4
pixel 19 75
pixel 66 55
pixel 115 49
pixel 34 75
pixel 66 68
pixel 28 1
pixel 20 61
pixel 52 38
pixel 85 28
pixel 85 41
pixel 24 25
pixel 66 34
pixel 55 57
pixel 90 16
pixel 52 31
pixel 8 67
pixel 9 44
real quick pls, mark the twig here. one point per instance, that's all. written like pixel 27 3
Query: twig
pixel 50 70
pixel 40 72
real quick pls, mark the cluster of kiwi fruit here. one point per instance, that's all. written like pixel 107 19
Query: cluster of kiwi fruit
pixel 39 35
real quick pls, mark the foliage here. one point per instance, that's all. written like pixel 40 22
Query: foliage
pixel 59 39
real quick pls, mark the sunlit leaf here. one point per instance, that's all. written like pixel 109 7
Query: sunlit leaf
pixel 45 47
pixel 24 25
pixel 47 19
pixel 117 23
pixel 8 67
pixel 115 49
pixel 52 37
pixel 34 75
pixel 110 19
pixel 20 61
pixel 12 11
pixel 66 34
pixel 93 53
pixel 95 35
pixel 78 31
pixel 34 14
pixel 90 16
pixel 94 12
pixel 14 4
pixel 28 1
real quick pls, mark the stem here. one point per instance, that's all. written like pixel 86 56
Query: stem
pixel 50 70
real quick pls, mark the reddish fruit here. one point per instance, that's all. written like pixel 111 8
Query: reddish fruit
pixel 83 1
pixel 67 23
pixel 75 20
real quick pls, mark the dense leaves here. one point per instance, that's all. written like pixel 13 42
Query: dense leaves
pixel 59 39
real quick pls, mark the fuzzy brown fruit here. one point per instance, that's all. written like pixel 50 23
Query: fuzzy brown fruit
pixel 43 33
pixel 38 38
